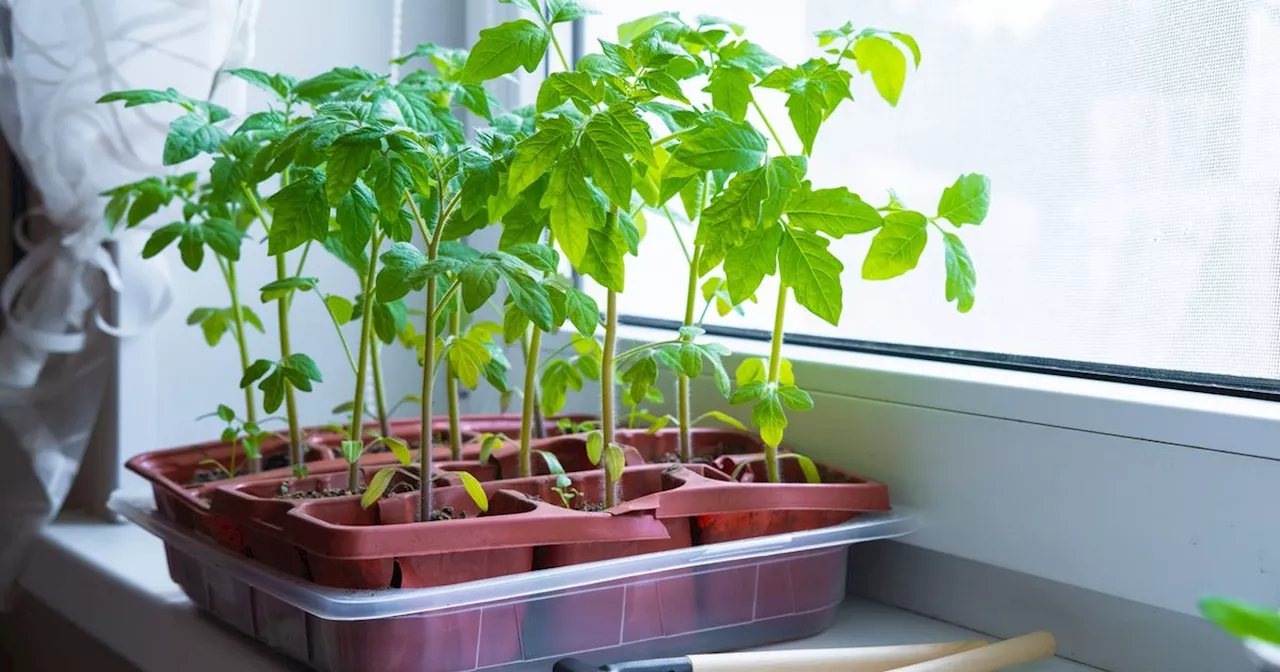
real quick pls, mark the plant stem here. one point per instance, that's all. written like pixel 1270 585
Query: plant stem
pixel 250 404
pixel 682 384
pixel 429 350
pixel 607 423
pixel 342 338
pixel 302 263
pixel 362 361
pixel 552 32
pixel 379 394
pixel 641 348
pixel 668 138
pixel 530 401
pixel 451 383
pixel 290 402
pixel 781 147
pixel 679 238
pixel 775 368
pixel 606 391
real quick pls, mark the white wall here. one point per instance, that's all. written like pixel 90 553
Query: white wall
pixel 170 376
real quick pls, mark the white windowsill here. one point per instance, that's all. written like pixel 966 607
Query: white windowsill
pixel 112 582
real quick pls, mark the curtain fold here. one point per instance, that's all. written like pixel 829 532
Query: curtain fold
pixel 57 57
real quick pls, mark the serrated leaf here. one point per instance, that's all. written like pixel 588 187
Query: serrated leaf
pixel 536 155
pixel 582 312
pixel 603 258
pixel 751 391
pixel 720 143
pixel 563 11
pixel 346 161
pixel 809 269
pixel 300 213
pixel 962 278
pixel 730 89
pixel 748 56
pixel 280 289
pixel 896 249
pixel 747 264
pixel 966 201
pixel 556 380
pixel 189 136
pixel 641 375
pixel 886 63
pixel 604 146
pixel 795 398
pixel 834 212
pixel 505 48
pixel 255 371
pixel 576 206
pixel 770 418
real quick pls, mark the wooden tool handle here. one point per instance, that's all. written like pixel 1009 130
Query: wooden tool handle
pixel 863 659
pixel 993 658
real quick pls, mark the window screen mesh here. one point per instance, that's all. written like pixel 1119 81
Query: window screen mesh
pixel 1134 151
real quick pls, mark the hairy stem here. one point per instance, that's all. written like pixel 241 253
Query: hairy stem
pixel 290 402
pixel 250 404
pixel 683 392
pixel 451 382
pixel 527 417
pixel 775 369
pixel 429 350
pixel 379 393
pixel 606 391
pixel 356 432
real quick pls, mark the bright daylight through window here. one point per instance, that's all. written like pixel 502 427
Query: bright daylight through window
pixel 1135 167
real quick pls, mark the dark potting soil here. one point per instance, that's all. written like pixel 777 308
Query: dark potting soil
pixel 277 461
pixel 320 494
pixel 589 507
pixel 447 513
pixel 203 476
pixel 673 458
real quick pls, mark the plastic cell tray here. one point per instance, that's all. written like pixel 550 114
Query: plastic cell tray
pixel 718 597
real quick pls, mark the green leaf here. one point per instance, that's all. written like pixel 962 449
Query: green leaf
pixel 896 249
pixel 753 370
pixel 389 319
pixel 615 460
pixel 162 238
pixel 966 201
pixel 730 89
pixel 603 259
pixel 280 85
pixel 886 63
pixel 346 161
pixel 280 289
pixel 540 257
pixel 191 135
pixel 136 97
pixel 556 380
pixel 377 485
pixel 553 463
pixel 355 226
pixel 563 11
pixel 720 143
pixel 576 86
pixel 748 56
pixel 635 128
pixel 1242 619
pixel 404 268
pixel 225 413
pixel 514 324
pixel 770 418
pixel 488 444
pixel 795 398
pixel 582 312
pixel 398 448
pixel 911 44
pixel 812 272
pixel 576 206
pixel 807 467
pixel 536 155
pixel 351 450
pixel 272 390
pixel 339 307
pixel 300 370
pixel 334 81
pixel 641 375
pixel 467 358
pixel 962 278
pixel 300 213
pixel 604 146
pixel 595 446
pixel 255 371
pixel 835 212
pixel 628 32
pixel 503 49
pixel 746 265
pixel 751 391
pixel 726 419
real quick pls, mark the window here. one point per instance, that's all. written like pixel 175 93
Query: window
pixel 1134 151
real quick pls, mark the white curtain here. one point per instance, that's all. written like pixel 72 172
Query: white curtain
pixel 57 57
